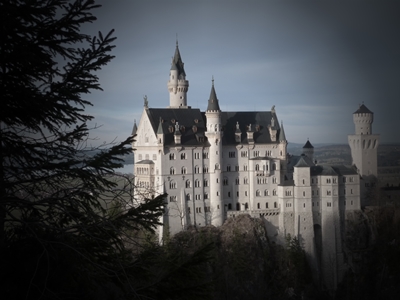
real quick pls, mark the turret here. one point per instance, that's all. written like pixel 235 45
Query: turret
pixel 177 84
pixel 160 133
pixel 363 119
pixel 214 136
pixel 308 150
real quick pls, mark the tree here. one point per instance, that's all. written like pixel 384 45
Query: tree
pixel 57 239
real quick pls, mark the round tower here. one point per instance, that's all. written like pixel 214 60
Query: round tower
pixel 214 136
pixel 363 119
pixel 177 83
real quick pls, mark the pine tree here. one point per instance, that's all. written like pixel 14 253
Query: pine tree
pixel 57 238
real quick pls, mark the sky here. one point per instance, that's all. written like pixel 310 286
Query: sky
pixel 315 61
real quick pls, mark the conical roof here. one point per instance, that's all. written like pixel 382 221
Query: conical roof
pixel 177 63
pixel 282 136
pixel 301 163
pixel 160 129
pixel 134 130
pixel 308 145
pixel 363 110
pixel 213 101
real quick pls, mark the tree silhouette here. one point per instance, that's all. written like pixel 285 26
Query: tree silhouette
pixel 57 237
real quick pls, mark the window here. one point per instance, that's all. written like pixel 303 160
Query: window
pixel 205 196
pixel 197 183
pixel 171 156
pixel 245 180
pixel 198 197
pixel 237 181
pixel 236 168
pixel 183 170
pixel 245 168
pixel 245 193
pixel 216 166
pixel 334 180
pixel 172 184
pixel 266 205
pixel 232 154
pixel 273 179
pixel 258 205
pixel 205 169
pixel 188 210
pixel 304 194
pixel 228 168
pixel 257 167
pixel 256 153
pixel 205 182
pixel 344 179
pixel 243 154
pixel 275 205
pixel 197 155
pixel 351 179
pixel 205 155
pixel 328 193
pixel 229 206
pixel 329 204
pixel 304 205
pixel 187 197
pixel 258 193
pixel 328 180
pixel 217 193
pixel 196 170
pixel 304 182
pixel 273 166
pixel 188 184
pixel 172 198
pixel 225 181
pixel 266 193
pixel 274 193
pixel 183 155
pixel 229 194
pixel 288 193
pixel 207 209
pixel 172 171
pixel 198 210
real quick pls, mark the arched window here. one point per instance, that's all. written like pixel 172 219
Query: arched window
pixel 172 171
pixel 188 184
pixel 257 167
pixel 172 184
pixel 266 205
pixel 273 167
pixel 245 180
pixel 216 166
pixel 187 197
pixel 258 193
pixel 229 206
pixel 266 193
pixel 274 193
pixel 258 205
pixel 237 181
pixel 237 206
pixel 246 206
pixel 197 183
pixel 275 205
pixel 183 170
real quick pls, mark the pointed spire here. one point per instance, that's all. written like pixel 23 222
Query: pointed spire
pixel 160 128
pixel 177 63
pixel 213 101
pixel 308 145
pixel 134 130
pixel 282 136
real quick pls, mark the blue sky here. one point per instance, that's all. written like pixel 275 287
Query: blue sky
pixel 315 61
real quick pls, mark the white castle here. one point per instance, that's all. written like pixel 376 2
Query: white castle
pixel 215 165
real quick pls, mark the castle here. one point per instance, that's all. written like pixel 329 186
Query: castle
pixel 215 165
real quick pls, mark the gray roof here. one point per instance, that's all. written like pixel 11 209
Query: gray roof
pixel 192 133
pixel 308 145
pixel 302 163
pixel 177 63
pixel 213 101
pixel 294 159
pixel 134 130
pixel 160 127
pixel 336 170
pixel 259 121
pixel 363 110
pixel 282 136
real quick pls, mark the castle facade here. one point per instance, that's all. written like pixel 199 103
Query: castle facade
pixel 215 165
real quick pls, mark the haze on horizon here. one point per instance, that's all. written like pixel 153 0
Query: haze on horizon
pixel 316 62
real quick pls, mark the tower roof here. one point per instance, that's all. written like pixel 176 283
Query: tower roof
pixel 308 145
pixel 282 136
pixel 177 63
pixel 363 110
pixel 134 130
pixel 160 129
pixel 213 101
pixel 301 163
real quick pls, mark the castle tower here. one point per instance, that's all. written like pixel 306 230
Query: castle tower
pixel 214 135
pixel 364 144
pixel 308 150
pixel 177 83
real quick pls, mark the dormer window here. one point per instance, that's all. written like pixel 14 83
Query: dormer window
pixel 194 128
pixel 173 121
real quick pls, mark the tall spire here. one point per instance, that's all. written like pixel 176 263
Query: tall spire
pixel 177 63
pixel 282 136
pixel 213 101
pixel 177 83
